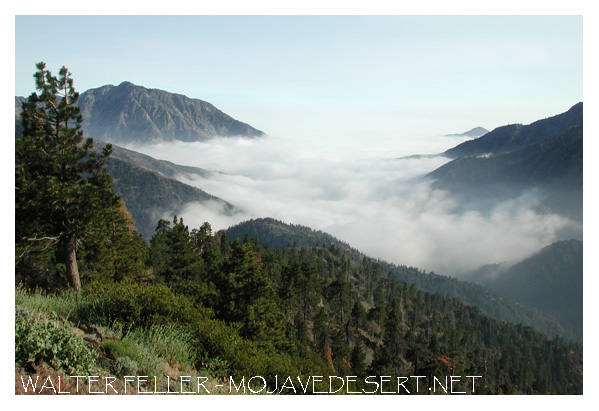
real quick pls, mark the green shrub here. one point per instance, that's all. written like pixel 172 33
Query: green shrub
pixel 159 329
pixel 217 367
pixel 120 348
pixel 39 339
pixel 128 306
pixel 142 355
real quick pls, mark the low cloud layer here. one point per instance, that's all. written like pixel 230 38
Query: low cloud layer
pixel 365 196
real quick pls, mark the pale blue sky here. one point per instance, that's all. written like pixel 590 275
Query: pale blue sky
pixel 368 78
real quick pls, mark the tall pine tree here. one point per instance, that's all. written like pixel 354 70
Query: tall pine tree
pixel 61 186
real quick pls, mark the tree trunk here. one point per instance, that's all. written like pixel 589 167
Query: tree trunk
pixel 71 263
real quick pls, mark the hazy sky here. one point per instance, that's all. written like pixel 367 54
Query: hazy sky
pixel 340 78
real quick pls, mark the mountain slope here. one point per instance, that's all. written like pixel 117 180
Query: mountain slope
pixel 150 187
pixel 276 234
pixel 516 136
pixel 167 168
pixel 150 195
pixel 559 158
pixel 147 185
pixel 546 156
pixel 475 132
pixel 129 113
pixel 551 280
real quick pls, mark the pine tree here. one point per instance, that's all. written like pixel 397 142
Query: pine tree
pixel 176 261
pixel 61 186
pixel 112 249
pixel 205 245
pixel 248 298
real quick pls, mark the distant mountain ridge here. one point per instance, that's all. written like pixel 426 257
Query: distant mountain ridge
pixel 129 113
pixel 150 195
pixel 559 158
pixel 546 156
pixel 475 132
pixel 167 168
pixel 516 136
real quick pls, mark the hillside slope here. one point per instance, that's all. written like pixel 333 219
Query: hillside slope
pixel 555 160
pixel 551 280
pixel 278 235
pixel 546 156
pixel 167 168
pixel 150 195
pixel 516 136
pixel 129 113
pixel 473 133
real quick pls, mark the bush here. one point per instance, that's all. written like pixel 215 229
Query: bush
pixel 128 306
pixel 159 329
pixel 132 356
pixel 120 348
pixel 39 339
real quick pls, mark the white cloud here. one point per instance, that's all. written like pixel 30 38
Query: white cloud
pixel 364 196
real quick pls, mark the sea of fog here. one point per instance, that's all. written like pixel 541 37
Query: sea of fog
pixel 364 193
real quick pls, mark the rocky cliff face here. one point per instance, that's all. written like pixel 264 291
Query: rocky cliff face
pixel 130 113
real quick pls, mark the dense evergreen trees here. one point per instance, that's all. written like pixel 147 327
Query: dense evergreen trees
pixel 361 321
pixel 276 234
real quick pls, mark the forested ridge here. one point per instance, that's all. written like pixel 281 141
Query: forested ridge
pixel 234 308
pixel 276 234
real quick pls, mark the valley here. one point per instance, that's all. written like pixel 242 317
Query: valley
pixel 352 264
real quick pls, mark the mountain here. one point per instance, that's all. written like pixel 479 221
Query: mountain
pixel 235 309
pixel 555 160
pixel 150 189
pixel 546 156
pixel 128 113
pixel 516 136
pixel 278 235
pixel 147 185
pixel 167 168
pixel 475 132
pixel 18 102
pixel 18 126
pixel 551 280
